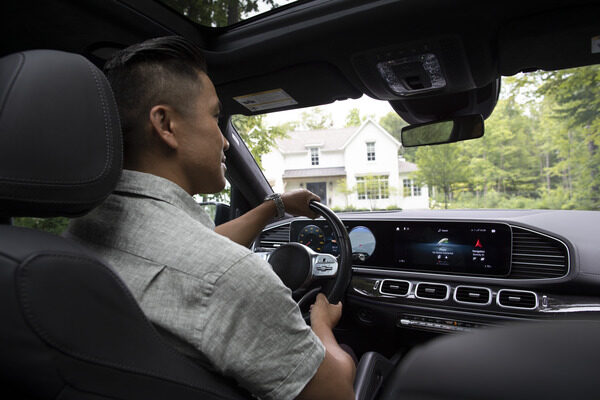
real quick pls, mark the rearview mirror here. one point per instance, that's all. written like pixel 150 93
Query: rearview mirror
pixel 438 132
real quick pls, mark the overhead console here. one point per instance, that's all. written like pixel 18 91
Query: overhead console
pixel 434 66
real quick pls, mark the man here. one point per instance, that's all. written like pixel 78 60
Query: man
pixel 207 293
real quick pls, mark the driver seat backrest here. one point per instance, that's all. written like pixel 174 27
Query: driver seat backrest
pixel 70 328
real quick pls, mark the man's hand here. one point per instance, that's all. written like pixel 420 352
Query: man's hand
pixel 322 313
pixel 296 202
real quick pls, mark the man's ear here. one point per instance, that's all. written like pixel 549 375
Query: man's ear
pixel 161 118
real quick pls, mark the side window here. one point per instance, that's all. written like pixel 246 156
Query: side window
pixel 216 205
pixel 370 151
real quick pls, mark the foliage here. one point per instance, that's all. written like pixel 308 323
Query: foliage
pixel 53 225
pixel 540 148
pixel 345 189
pixel 259 138
pixel 353 118
pixel 316 118
pixel 442 167
pixel 218 12
pixel 392 123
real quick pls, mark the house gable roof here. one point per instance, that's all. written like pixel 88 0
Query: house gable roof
pixel 324 139
pixel 376 125
pixel 406 166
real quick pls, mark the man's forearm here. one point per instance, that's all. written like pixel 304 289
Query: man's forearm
pixel 245 228
pixel 335 377
pixel 325 334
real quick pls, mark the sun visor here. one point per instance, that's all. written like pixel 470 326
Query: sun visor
pixel 300 86
pixel 557 40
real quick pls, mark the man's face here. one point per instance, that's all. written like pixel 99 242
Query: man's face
pixel 202 146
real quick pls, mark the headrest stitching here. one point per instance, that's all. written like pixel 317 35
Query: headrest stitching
pixel 12 82
pixel 107 117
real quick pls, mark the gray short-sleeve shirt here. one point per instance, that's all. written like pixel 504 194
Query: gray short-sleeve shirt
pixel 211 297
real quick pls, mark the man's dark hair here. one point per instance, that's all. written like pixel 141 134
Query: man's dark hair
pixel 163 70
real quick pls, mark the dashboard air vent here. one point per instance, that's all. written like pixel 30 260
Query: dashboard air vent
pixel 431 291
pixel 275 237
pixel 395 287
pixel 473 295
pixel 536 256
pixel 517 299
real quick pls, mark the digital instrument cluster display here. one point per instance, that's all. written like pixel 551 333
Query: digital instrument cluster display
pixel 453 247
pixel 465 248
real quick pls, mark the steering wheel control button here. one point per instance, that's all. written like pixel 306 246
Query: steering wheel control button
pixel 324 265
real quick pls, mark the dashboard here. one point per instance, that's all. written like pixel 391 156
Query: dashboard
pixel 458 270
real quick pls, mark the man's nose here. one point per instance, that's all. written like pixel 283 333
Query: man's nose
pixel 225 143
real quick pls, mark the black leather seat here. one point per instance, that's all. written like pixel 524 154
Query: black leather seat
pixel 69 327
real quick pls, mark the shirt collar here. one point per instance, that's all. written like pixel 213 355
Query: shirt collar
pixel 161 189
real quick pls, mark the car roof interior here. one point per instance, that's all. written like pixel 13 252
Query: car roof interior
pixel 476 42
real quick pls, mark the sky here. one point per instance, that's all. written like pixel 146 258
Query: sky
pixel 338 110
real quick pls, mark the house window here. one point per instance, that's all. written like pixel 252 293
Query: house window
pixel 410 188
pixel 373 187
pixel 416 190
pixel 370 151
pixel 314 156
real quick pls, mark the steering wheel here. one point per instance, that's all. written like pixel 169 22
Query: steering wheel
pixel 307 272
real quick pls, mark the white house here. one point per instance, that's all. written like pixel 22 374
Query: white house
pixel 357 166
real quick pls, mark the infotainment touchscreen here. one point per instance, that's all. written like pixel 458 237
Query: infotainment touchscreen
pixel 453 247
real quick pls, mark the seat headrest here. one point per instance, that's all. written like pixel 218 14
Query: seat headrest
pixel 60 135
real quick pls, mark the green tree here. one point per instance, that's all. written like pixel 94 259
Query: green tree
pixel 315 118
pixel 345 189
pixel 353 118
pixel 218 12
pixel 441 167
pixel 392 123
pixel 576 94
pixel 53 225
pixel 258 137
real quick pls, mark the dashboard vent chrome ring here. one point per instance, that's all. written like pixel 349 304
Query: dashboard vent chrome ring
pixel 473 295
pixel 517 299
pixel 432 291
pixel 395 287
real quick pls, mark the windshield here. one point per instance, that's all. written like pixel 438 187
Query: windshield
pixel 539 151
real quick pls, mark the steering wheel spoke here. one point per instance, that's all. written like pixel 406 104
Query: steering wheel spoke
pixel 324 265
